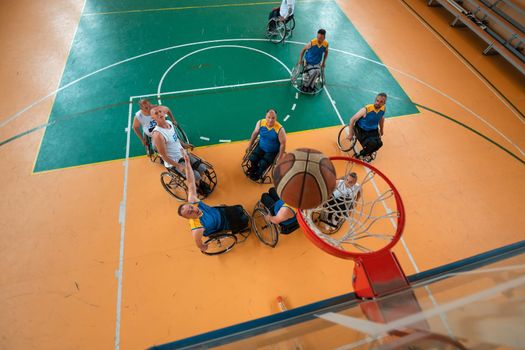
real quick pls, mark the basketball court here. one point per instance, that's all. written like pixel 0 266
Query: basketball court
pixel 93 252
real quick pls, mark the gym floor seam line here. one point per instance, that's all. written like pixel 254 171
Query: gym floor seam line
pixel 30 106
pixel 195 7
pixel 472 130
pixel 465 60
pixel 298 43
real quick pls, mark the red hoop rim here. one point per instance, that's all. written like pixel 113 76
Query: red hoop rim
pixel 343 254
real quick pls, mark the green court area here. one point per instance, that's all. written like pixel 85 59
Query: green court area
pixel 211 65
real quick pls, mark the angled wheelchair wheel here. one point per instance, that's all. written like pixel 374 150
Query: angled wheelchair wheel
pixel 324 225
pixel 343 142
pixel 175 185
pixel 181 134
pixel 297 76
pixel 220 243
pixel 265 230
pixel 277 35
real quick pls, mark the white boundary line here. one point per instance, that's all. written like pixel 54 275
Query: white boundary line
pixel 462 60
pixel 25 109
pixel 213 88
pixel 122 221
pixel 388 210
pixel 159 87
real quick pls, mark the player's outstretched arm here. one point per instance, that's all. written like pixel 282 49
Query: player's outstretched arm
pixel 360 114
pixel 190 178
pixel 282 142
pixel 197 236
pixel 382 126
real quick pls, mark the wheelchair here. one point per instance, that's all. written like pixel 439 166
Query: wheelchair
pixel 354 145
pixel 297 76
pixel 267 232
pixel 152 152
pixel 323 221
pixel 175 183
pixel 283 29
pixel 239 226
pixel 266 177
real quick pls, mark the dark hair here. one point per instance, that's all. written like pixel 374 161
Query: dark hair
pixel 321 31
pixel 179 211
pixel 382 94
pixel 353 174
pixel 271 109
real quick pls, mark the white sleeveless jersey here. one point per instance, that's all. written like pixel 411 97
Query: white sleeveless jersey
pixel 173 144
pixel 146 121
pixel 342 191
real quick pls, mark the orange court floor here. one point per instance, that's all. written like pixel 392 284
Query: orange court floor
pixel 60 238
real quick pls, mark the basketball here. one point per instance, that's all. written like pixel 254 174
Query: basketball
pixel 304 178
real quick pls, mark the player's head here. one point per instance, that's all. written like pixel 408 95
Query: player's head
pixel 189 211
pixel 380 100
pixel 145 105
pixel 321 34
pixel 350 179
pixel 158 113
pixel 271 117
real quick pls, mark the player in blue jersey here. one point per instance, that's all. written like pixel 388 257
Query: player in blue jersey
pixel 316 53
pixel 369 125
pixel 272 144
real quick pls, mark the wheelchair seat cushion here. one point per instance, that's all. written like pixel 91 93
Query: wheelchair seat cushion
pixel 289 228
pixel 235 218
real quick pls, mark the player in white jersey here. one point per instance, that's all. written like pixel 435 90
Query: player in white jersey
pixel 346 191
pixel 143 123
pixel 170 147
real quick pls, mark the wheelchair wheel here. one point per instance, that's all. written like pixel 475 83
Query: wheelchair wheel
pixel 277 35
pixel 319 84
pixel 220 243
pixel 290 24
pixel 181 134
pixel 325 226
pixel 174 184
pixel 343 142
pixel 265 230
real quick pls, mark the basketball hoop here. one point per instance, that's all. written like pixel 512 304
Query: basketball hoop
pixel 362 223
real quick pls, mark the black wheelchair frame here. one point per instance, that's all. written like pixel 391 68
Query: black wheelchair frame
pixel 353 145
pixel 283 29
pixel 266 177
pixel 297 79
pixel 224 241
pixel 175 183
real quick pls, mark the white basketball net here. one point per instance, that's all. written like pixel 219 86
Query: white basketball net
pixel 363 222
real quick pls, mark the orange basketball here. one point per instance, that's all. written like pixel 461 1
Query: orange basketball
pixel 304 178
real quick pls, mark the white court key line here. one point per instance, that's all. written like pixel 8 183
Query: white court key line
pixel 374 328
pixel 286 118
pixel 213 88
pixel 204 138
pixel 388 210
pixel 159 87
pixel 293 107
pixel 122 221
pixel 225 141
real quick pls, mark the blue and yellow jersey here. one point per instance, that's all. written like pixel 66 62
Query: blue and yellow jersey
pixel 372 117
pixel 314 55
pixel 269 137
pixel 280 204
pixel 210 219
